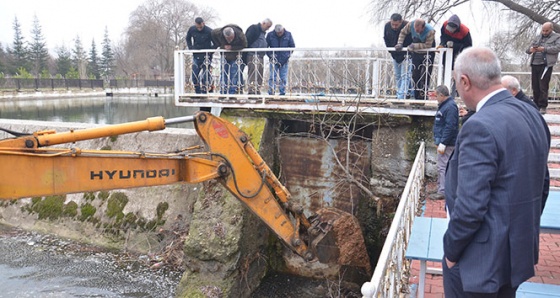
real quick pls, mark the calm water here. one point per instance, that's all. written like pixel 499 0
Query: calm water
pixel 100 110
pixel 30 266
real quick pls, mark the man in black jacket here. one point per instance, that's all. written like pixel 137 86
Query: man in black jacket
pixel 232 39
pixel 513 86
pixel 401 61
pixel 256 39
pixel 199 37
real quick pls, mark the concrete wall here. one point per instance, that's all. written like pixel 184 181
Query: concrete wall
pixel 126 219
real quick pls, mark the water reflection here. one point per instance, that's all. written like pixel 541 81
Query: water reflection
pixel 100 110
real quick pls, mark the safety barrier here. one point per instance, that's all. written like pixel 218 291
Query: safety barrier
pixel 390 273
pixel 311 71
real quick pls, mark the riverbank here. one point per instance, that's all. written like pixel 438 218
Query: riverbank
pixel 41 265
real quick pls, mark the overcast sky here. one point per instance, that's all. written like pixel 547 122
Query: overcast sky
pixel 313 23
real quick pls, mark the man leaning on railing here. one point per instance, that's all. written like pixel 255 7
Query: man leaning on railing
pixel 423 37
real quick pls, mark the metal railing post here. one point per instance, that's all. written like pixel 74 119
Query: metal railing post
pixel 179 73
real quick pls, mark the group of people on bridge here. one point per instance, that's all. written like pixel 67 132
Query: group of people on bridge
pixel 413 67
pixel 412 64
pixel 231 37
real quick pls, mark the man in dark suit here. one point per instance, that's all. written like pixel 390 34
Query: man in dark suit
pixel 495 185
pixel 513 86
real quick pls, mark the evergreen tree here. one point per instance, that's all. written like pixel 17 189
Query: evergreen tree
pixel 107 60
pixel 64 61
pixel 93 63
pixel 3 59
pixel 38 53
pixel 79 58
pixel 19 52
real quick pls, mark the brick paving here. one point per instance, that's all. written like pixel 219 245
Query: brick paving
pixel 547 271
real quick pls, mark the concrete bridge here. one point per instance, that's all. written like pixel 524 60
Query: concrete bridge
pixel 341 80
pixel 338 80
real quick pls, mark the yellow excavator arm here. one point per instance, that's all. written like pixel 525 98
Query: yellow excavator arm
pixel 29 169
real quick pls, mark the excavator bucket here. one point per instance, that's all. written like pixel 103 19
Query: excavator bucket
pixel 337 242
pixel 340 240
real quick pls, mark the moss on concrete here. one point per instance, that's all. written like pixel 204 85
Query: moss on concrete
pixel 103 195
pixel 421 131
pixel 130 220
pixel 253 127
pixel 87 212
pixel 160 210
pixel 70 209
pixel 50 207
pixel 200 287
pixel 89 196
pixel 115 206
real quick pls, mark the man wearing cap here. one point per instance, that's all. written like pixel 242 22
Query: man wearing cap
pixel 279 38
pixel 544 54
pixel 256 38
pixel 423 37
pixel 231 38
pixel 402 66
pixel 199 37
pixel 455 35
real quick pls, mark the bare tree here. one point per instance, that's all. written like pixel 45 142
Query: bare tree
pixel 432 11
pixel 524 17
pixel 155 29
pixel 533 11
pixel 527 12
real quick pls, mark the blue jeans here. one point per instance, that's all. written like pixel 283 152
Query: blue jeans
pixel 402 77
pixel 230 77
pixel 201 76
pixel 281 71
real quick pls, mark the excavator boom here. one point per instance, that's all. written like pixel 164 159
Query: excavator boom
pixel 29 169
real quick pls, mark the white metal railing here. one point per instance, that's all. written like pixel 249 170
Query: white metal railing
pixel 391 272
pixel 315 71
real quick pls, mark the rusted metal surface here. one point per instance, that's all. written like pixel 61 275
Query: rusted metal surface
pixel 313 174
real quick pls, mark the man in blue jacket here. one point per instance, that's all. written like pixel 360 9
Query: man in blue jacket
pixel 446 128
pixel 199 37
pixel 279 38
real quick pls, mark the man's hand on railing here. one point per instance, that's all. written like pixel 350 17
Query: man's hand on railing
pixel 398 47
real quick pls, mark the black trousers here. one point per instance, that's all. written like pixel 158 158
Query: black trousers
pixel 540 84
pixel 453 286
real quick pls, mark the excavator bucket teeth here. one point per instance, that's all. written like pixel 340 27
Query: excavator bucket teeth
pixel 339 239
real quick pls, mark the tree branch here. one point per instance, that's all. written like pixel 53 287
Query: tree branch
pixel 531 14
